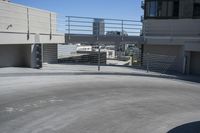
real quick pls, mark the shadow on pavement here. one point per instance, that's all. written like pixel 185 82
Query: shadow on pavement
pixel 193 127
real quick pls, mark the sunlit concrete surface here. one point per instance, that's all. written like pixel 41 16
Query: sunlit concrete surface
pixel 72 68
pixel 96 104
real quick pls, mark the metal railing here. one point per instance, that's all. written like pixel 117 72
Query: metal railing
pixel 154 62
pixel 149 62
pixel 102 26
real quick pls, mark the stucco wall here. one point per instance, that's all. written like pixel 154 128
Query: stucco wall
pixel 21 24
pixel 18 18
pixel 172 27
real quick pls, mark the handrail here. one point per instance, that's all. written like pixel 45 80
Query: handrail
pixel 102 26
pixel 104 19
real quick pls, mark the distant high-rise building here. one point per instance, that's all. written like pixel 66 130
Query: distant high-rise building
pixel 98 27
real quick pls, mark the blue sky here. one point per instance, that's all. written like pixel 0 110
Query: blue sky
pixel 120 9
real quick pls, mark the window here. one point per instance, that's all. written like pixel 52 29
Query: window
pixel 162 8
pixel 176 9
pixel 152 9
pixel 196 10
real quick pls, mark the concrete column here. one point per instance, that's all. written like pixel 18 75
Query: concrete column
pixel 36 56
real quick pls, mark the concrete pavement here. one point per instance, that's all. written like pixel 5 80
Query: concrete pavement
pixel 67 69
pixel 96 104
pixel 72 69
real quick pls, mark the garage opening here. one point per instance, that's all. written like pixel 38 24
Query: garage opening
pixel 195 63
pixel 15 55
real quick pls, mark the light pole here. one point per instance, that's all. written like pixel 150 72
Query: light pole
pixel 99 58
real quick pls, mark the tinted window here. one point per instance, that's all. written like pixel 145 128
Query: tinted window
pixel 176 9
pixel 162 8
pixel 153 9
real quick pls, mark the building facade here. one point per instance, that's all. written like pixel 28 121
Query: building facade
pixel 28 36
pixel 172 27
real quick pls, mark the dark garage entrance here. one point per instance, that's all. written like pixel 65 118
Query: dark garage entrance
pixel 195 63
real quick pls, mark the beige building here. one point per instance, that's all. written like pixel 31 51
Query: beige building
pixel 28 36
pixel 172 27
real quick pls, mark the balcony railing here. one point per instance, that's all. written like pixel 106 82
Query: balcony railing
pixel 102 26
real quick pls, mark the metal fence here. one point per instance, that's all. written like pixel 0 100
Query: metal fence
pixel 154 62
pixel 145 61
pixel 102 26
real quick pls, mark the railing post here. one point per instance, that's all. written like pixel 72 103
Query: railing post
pixel 50 26
pixel 147 62
pixel 28 24
pixel 69 27
pixel 122 23
pixel 97 31
pixel 99 58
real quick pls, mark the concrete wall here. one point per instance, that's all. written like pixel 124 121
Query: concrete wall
pixel 18 18
pixel 192 46
pixel 21 24
pixel 172 27
pixel 50 53
pixel 15 55
pixel 176 51
pixel 23 55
